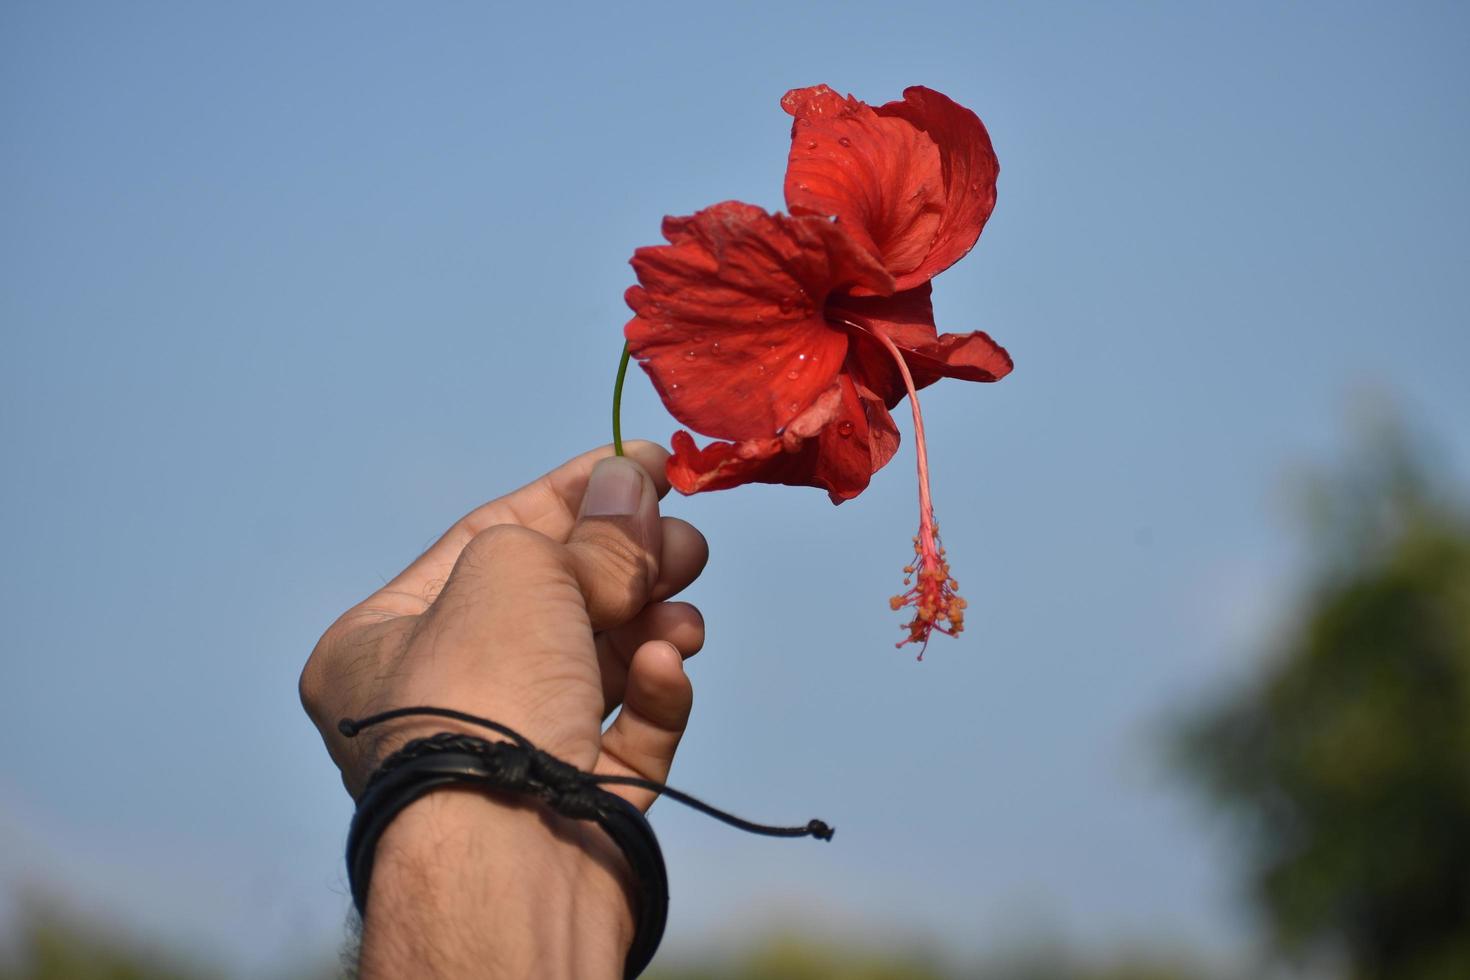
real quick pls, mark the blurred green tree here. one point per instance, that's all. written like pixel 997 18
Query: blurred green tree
pixel 53 945
pixel 789 957
pixel 1346 763
pixel 49 941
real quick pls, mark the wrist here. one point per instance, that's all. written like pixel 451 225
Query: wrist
pixel 472 884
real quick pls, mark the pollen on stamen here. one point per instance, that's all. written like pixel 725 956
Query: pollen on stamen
pixel 937 604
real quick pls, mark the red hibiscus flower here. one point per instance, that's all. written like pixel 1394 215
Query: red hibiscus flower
pixel 792 336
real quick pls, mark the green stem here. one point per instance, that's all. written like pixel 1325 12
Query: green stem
pixel 618 403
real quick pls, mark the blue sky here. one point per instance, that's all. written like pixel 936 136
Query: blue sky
pixel 286 289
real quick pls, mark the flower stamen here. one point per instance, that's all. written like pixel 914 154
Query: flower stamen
pixel 937 604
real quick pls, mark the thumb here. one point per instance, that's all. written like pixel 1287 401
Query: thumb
pixel 614 547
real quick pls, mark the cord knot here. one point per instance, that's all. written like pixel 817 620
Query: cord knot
pixel 519 766
pixel 820 830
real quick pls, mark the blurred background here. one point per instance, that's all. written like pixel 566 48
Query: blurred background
pixel 287 288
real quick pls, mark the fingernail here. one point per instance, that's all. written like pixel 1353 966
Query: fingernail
pixel 615 489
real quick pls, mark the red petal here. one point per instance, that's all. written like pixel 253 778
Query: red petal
pixel 880 177
pixel 882 430
pixel 967 356
pixel 908 319
pixel 729 318
pixel 969 169
pixel 837 445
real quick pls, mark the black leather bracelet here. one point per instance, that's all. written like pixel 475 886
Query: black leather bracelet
pixel 518 767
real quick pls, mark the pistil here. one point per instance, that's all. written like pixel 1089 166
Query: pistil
pixel 932 590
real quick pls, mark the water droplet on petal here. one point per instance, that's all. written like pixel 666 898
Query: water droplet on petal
pixel 801 357
pixel 811 144
pixel 844 141
pixel 715 348
pixel 844 429
pixel 976 185
pixel 760 369
pixel 689 355
pixel 792 375
pixel 675 387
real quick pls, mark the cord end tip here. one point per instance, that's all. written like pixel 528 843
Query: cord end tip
pixel 347 727
pixel 820 830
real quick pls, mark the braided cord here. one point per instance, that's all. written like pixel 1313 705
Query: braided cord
pixel 456 758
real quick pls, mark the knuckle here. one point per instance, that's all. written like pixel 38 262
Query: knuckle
pixel 615 553
pixel 620 604
pixel 311 687
pixel 500 542
pixel 615 572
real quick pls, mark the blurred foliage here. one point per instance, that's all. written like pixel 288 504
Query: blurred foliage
pixel 793 958
pixel 52 945
pixel 57 946
pixel 47 942
pixel 1346 764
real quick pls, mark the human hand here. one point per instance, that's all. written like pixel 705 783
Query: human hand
pixel 543 610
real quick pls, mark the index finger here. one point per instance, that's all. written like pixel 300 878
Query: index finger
pixel 548 504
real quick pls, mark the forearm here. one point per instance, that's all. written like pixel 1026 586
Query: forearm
pixel 465 885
